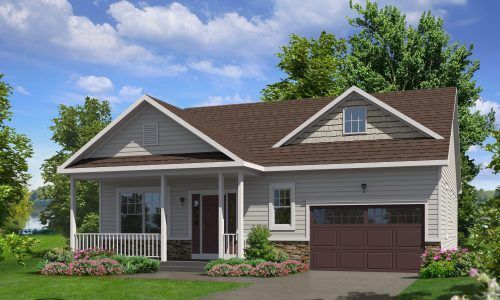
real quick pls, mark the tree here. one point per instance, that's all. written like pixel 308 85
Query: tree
pixel 19 213
pixel 386 54
pixel 15 150
pixel 494 148
pixel 72 128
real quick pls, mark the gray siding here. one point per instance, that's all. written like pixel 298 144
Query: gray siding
pixel 448 201
pixel 172 137
pixel 384 186
pixel 379 125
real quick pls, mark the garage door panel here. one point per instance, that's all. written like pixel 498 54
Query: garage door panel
pixel 324 238
pixel 408 261
pixel 351 238
pixel 324 259
pixel 367 238
pixel 352 260
pixel 379 261
pixel 409 238
pixel 379 238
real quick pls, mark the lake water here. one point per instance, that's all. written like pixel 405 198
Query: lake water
pixel 33 223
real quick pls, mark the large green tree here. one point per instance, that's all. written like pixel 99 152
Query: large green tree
pixel 72 128
pixel 15 150
pixel 386 54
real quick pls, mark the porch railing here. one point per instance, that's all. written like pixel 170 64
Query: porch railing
pixel 230 244
pixel 128 244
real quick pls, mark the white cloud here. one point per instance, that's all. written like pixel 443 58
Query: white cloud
pixel 220 100
pixel 485 106
pixel 23 91
pixel 473 148
pixel 130 91
pixel 94 84
pixel 230 71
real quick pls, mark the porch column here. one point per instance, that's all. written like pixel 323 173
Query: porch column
pixel 72 213
pixel 221 215
pixel 163 219
pixel 239 212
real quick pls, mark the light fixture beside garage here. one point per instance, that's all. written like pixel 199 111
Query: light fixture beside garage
pixel 363 186
pixel 182 200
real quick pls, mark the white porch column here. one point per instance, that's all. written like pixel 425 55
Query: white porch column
pixel 239 213
pixel 221 215
pixel 163 219
pixel 72 213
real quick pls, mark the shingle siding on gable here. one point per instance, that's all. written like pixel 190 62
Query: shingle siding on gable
pixel 380 125
pixel 172 138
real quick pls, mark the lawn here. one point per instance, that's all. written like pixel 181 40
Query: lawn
pixel 441 288
pixel 17 282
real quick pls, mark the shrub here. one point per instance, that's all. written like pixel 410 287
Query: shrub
pixel 294 266
pixel 268 269
pixel 233 262
pixel 90 223
pixel 245 269
pixel 461 260
pixel 84 267
pixel 280 255
pixel 258 246
pixel 439 269
pixel 58 255
pixel 55 268
pixel 93 253
pixel 137 264
pixel 221 270
pixel 19 245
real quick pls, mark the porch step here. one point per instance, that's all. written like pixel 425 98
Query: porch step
pixel 183 266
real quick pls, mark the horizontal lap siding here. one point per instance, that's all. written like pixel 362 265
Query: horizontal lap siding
pixel 172 137
pixel 396 185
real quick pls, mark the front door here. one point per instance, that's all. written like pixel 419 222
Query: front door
pixel 209 224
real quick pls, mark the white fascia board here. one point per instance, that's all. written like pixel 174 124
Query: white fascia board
pixel 368 97
pixel 191 166
pixel 145 98
pixel 193 129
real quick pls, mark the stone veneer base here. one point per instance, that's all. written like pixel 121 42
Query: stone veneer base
pixel 179 249
pixel 296 250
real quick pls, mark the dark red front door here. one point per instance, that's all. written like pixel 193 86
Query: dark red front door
pixel 209 224
pixel 370 238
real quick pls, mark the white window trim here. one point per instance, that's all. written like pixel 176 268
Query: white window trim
pixel 144 133
pixel 343 121
pixel 141 190
pixel 282 227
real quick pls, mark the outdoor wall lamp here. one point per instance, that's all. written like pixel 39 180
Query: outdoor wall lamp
pixel 182 201
pixel 363 186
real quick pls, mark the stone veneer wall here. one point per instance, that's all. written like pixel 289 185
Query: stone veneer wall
pixel 179 249
pixel 296 250
pixel 432 245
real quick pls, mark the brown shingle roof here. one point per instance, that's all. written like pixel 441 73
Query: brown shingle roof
pixel 250 130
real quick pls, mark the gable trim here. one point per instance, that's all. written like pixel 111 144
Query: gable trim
pixel 366 96
pixel 145 98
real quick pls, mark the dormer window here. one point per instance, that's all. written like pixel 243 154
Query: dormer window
pixel 355 120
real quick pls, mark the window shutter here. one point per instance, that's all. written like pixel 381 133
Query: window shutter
pixel 150 134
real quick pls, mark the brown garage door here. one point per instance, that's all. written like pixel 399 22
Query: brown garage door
pixel 371 238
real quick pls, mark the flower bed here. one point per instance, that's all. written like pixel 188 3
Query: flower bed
pixel 440 263
pixel 94 262
pixel 262 269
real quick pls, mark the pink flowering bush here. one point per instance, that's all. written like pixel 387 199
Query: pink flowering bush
pixel 84 267
pixel 263 269
pixel 447 263
pixel 93 253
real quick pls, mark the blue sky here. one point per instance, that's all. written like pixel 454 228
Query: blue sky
pixel 189 53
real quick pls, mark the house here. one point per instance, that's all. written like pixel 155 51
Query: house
pixel 355 182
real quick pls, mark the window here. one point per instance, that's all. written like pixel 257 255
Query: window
pixel 139 212
pixel 354 120
pixel 150 134
pixel 394 215
pixel 337 215
pixel 282 206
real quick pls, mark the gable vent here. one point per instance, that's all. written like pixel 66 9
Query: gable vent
pixel 150 134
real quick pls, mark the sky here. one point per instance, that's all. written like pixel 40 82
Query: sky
pixel 191 53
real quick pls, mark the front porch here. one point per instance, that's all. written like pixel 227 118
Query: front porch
pixel 166 216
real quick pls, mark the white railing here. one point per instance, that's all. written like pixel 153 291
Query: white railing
pixel 128 244
pixel 230 244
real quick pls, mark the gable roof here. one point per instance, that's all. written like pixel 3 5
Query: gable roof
pixel 249 131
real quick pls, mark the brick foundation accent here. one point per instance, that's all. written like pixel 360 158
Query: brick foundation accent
pixel 296 250
pixel 179 250
pixel 432 245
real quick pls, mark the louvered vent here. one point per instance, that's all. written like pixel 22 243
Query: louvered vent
pixel 150 134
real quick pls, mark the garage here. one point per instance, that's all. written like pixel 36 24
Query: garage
pixel 367 238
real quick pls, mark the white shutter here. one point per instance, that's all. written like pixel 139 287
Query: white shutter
pixel 150 134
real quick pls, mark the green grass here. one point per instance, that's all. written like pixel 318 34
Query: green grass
pixel 17 282
pixel 441 288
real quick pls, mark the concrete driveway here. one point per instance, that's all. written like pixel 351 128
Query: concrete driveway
pixel 324 285
pixel 312 285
